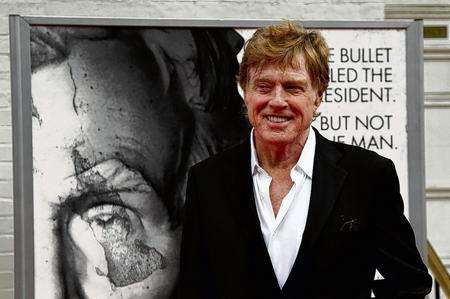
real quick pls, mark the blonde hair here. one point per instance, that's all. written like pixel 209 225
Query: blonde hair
pixel 281 45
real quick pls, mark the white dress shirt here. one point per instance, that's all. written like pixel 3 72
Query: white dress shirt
pixel 283 233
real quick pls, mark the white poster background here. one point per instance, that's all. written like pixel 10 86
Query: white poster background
pixel 376 120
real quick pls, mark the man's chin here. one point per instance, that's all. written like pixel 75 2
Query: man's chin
pixel 276 138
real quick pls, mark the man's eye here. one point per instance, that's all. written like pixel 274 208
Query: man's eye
pixel 263 88
pixel 294 89
pixel 112 222
pixel 120 233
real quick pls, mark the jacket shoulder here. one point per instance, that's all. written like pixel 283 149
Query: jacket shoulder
pixel 358 157
pixel 221 162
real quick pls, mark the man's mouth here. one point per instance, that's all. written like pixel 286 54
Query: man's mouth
pixel 277 118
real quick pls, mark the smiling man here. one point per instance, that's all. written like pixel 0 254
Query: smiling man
pixel 289 214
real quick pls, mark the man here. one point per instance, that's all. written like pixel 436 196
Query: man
pixel 119 117
pixel 289 214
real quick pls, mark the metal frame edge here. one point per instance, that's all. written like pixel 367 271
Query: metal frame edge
pixel 415 130
pixel 248 23
pixel 22 157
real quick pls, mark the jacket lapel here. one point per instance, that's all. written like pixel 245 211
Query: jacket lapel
pixel 327 181
pixel 243 207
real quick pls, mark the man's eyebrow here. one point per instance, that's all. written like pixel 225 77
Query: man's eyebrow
pixel 114 175
pixel 101 185
pixel 301 82
pixel 263 80
pixel 108 176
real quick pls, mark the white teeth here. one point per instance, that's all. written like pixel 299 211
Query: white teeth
pixel 277 119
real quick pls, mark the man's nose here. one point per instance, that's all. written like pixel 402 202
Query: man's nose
pixel 278 99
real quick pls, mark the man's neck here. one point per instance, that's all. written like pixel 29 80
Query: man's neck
pixel 279 157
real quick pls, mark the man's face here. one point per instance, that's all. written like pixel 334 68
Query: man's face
pixel 280 103
pixel 106 138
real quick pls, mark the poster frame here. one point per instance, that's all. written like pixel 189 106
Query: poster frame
pixel 22 117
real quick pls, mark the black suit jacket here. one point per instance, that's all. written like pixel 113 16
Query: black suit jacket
pixel 355 224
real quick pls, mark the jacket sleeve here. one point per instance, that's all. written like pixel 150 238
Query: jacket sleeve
pixel 193 279
pixel 396 254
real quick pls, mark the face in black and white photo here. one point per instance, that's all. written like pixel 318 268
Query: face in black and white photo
pixel 119 117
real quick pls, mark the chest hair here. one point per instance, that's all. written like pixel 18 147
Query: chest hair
pixel 279 188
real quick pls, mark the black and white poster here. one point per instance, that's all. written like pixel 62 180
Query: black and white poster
pixel 365 103
pixel 119 116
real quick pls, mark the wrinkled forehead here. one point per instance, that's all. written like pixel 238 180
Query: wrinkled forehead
pixel 107 73
pixel 295 67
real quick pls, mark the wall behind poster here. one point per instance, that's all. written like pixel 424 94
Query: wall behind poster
pixel 365 103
